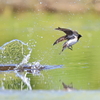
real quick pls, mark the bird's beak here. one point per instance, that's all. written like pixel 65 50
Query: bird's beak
pixel 80 35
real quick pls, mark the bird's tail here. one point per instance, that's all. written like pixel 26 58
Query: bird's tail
pixel 58 28
pixel 62 49
pixel 60 52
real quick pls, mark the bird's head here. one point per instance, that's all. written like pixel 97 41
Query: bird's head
pixel 79 36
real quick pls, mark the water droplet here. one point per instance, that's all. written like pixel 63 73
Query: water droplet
pixel 41 36
pixel 40 2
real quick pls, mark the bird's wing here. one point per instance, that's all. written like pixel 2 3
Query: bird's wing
pixel 68 37
pixel 67 31
pixel 60 39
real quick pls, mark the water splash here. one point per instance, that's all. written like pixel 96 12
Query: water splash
pixel 24 78
pixel 19 70
pixel 13 52
pixel 15 40
pixel 19 52
pixel 25 60
pixel 17 49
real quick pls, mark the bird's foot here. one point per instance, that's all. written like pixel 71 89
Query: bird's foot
pixel 70 48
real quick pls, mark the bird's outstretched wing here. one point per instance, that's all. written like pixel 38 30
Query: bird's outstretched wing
pixel 60 39
pixel 67 31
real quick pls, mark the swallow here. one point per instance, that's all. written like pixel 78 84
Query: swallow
pixel 71 36
pixel 68 87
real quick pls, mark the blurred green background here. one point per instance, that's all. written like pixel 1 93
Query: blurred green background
pixel 33 22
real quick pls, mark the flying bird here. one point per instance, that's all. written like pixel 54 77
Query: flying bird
pixel 71 36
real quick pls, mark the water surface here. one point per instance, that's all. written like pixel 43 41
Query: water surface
pixel 36 31
pixel 51 95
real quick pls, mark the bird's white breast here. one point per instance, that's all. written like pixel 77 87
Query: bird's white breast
pixel 72 41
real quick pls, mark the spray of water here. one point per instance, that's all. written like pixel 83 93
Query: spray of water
pixel 24 78
pixel 17 49
pixel 19 70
